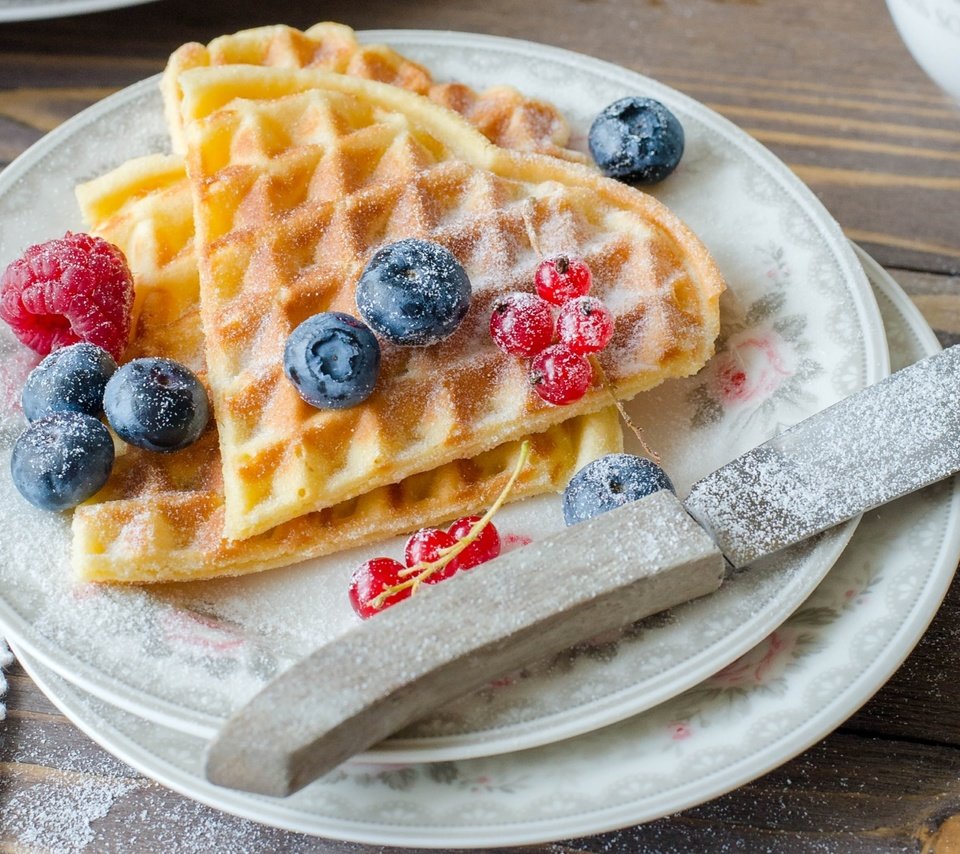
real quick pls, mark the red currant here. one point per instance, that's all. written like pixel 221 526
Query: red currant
pixel 485 547
pixel 424 547
pixel 370 579
pixel 559 375
pixel 521 324
pixel 585 325
pixel 560 279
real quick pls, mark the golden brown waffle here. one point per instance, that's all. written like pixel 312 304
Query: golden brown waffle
pixel 298 176
pixel 145 207
pixel 501 113
pixel 160 516
pixel 174 534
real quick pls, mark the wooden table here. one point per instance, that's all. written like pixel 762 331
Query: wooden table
pixel 831 89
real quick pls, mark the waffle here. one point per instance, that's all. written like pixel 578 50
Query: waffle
pixel 160 516
pixel 501 113
pixel 299 175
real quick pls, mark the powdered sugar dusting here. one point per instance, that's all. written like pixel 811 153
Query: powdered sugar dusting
pixel 15 367
pixel 112 639
pixel 80 810
pixel 894 438
pixel 60 816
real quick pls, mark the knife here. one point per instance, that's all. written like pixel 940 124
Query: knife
pixel 649 555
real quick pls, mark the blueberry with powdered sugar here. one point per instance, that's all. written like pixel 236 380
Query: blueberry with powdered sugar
pixel 61 460
pixel 157 404
pixel 333 360
pixel 413 292
pixel 611 482
pixel 71 379
pixel 636 140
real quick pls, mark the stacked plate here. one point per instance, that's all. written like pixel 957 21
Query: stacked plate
pixel 671 712
pixel 32 10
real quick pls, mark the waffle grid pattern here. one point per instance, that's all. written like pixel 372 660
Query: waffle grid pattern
pixel 160 516
pixel 299 176
pixel 501 113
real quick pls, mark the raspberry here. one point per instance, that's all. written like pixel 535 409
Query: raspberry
pixel 560 279
pixel 77 288
pixel 521 324
pixel 585 325
pixel 559 375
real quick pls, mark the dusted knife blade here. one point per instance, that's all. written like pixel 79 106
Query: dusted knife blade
pixel 644 557
pixel 454 637
pixel 889 440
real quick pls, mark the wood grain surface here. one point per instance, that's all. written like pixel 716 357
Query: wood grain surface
pixel 832 91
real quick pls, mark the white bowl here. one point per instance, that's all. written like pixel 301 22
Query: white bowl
pixel 931 30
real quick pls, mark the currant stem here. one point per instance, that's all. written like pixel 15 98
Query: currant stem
pixel 605 382
pixel 424 569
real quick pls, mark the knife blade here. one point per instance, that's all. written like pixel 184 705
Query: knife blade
pixel 891 439
pixel 649 555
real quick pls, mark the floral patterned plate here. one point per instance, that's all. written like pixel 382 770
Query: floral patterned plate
pixel 33 10
pixel 800 330
pixel 790 690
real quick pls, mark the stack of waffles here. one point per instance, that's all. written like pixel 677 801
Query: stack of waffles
pixel 302 153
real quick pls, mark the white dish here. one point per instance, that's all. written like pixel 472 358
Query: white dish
pixel 801 330
pixel 789 691
pixel 33 10
pixel 931 32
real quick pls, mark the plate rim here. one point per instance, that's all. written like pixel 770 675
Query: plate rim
pixel 541 731
pixel 810 731
pixel 46 10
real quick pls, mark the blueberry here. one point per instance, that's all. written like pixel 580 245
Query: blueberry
pixel 157 404
pixel 413 292
pixel 610 482
pixel 637 140
pixel 61 460
pixel 333 360
pixel 71 379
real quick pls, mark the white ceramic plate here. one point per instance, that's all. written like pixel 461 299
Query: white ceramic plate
pixel 800 330
pixel 32 10
pixel 787 692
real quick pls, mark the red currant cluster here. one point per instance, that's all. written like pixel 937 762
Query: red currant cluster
pixel 523 325
pixel 431 555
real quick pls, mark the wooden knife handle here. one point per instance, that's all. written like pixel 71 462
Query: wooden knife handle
pixel 454 637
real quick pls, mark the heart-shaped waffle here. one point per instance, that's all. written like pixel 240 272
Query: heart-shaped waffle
pixel 160 516
pixel 501 113
pixel 298 176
